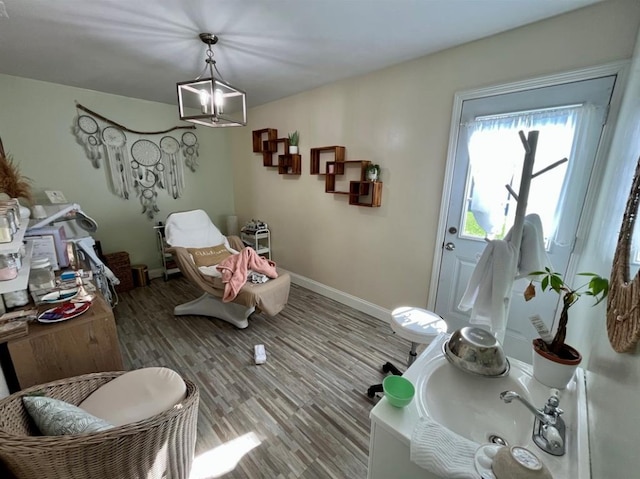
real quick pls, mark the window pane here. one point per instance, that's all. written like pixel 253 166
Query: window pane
pixel 496 156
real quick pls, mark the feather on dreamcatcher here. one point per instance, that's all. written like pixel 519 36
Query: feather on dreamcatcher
pixel 137 164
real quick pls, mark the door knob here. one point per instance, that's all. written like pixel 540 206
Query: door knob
pixel 449 246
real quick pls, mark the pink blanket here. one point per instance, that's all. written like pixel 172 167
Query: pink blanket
pixel 235 268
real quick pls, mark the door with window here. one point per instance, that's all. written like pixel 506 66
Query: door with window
pixel 489 156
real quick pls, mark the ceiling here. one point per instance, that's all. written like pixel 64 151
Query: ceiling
pixel 270 48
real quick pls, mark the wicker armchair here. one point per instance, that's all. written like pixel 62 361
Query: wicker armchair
pixel 159 447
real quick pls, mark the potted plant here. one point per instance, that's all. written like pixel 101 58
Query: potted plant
pixel 373 172
pixel 294 138
pixel 555 362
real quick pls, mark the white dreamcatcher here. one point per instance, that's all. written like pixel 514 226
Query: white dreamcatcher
pixel 115 142
pixel 173 173
pixel 87 133
pixel 145 166
pixel 147 169
pixel 190 150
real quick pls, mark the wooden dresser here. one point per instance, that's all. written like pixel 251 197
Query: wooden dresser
pixel 86 344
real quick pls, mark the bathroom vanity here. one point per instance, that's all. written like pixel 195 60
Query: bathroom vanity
pixel 471 407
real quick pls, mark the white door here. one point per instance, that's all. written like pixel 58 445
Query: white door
pixel 577 111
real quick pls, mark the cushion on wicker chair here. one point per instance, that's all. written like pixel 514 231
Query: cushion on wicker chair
pixel 58 418
pixel 136 395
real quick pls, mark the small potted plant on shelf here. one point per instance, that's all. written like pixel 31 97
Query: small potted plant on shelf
pixel 373 172
pixel 554 362
pixel 294 138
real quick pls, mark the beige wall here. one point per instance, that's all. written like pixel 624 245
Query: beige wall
pixel 399 117
pixel 35 127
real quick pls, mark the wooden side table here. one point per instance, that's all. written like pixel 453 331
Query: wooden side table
pixel 86 344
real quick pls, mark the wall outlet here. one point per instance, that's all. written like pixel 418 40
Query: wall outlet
pixel 56 197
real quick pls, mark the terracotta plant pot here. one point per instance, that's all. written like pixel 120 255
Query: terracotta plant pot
pixel 551 370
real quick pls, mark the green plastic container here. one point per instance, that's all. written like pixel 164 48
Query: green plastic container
pixel 398 390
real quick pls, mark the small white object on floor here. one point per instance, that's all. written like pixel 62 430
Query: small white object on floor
pixel 443 452
pixel 260 354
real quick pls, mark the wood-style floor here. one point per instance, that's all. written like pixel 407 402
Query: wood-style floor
pixel 307 405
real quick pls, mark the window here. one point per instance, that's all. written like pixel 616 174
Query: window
pixel 496 156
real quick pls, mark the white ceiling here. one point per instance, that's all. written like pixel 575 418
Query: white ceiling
pixel 270 48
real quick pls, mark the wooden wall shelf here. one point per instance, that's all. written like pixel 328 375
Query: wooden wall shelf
pixel 270 148
pixel 365 193
pixel 338 155
pixel 339 169
pixel 258 137
pixel 360 193
pixel 290 164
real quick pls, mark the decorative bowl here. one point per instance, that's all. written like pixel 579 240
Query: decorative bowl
pixel 398 390
pixel 476 351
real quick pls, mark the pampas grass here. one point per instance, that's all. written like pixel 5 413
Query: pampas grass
pixel 11 180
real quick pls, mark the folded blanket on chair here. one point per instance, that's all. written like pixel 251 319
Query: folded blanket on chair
pixel 235 268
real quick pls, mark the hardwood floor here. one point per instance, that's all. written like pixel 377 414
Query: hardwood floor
pixel 307 405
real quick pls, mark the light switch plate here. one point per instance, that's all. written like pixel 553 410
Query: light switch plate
pixel 56 197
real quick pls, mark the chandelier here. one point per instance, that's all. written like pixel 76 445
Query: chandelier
pixel 211 101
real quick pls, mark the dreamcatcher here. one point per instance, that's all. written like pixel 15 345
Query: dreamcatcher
pixel 145 165
pixel 173 177
pixel 190 150
pixel 147 168
pixel 115 142
pixel 87 133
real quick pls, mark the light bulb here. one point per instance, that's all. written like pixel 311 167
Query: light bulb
pixel 204 101
pixel 218 98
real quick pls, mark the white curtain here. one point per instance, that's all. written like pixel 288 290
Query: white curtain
pixel 496 155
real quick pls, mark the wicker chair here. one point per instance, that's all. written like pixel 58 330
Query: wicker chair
pixel 159 447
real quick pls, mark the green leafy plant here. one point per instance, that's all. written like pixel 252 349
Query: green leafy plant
pixel 294 138
pixel 373 168
pixel 596 286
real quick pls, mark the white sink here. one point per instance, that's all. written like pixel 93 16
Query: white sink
pixel 471 407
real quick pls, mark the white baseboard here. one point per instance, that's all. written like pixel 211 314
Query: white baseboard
pixel 342 297
pixel 156 273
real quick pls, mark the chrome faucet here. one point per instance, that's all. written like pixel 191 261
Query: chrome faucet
pixel 548 428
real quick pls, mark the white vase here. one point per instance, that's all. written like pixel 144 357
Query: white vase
pixel 293 150
pixel 552 371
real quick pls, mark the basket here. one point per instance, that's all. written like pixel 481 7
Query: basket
pixel 121 266
pixel 159 447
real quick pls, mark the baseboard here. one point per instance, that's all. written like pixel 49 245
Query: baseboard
pixel 156 273
pixel 342 297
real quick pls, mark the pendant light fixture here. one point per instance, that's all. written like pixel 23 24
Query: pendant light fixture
pixel 211 101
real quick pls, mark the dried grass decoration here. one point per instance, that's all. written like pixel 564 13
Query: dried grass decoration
pixel 12 182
